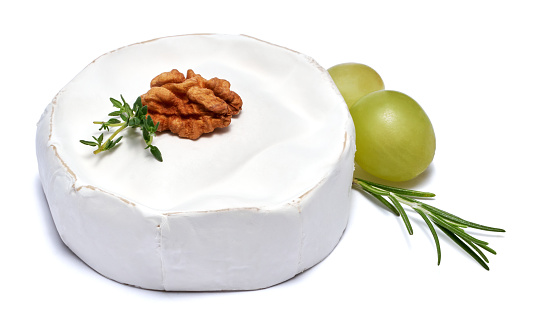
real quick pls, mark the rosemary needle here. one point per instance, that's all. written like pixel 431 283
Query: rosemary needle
pixel 451 225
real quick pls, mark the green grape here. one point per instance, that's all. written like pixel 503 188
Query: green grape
pixel 394 137
pixel 355 81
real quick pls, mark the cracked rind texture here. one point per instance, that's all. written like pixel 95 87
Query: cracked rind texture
pixel 239 233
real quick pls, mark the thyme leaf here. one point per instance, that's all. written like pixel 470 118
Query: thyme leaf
pixel 136 117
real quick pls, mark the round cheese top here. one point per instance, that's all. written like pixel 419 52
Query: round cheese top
pixel 291 131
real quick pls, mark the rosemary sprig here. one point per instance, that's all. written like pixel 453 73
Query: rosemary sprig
pixel 135 117
pixel 448 223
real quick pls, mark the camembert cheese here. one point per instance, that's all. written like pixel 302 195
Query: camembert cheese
pixel 245 207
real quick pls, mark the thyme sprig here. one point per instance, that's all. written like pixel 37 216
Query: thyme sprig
pixel 135 117
pixel 449 224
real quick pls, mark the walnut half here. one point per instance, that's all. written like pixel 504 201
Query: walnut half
pixel 190 106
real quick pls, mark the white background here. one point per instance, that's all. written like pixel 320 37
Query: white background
pixel 468 63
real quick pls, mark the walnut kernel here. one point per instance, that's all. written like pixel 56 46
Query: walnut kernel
pixel 190 106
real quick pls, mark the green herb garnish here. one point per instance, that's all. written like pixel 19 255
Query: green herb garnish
pixel 134 118
pixel 448 223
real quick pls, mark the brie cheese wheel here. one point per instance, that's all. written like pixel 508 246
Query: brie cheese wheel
pixel 245 207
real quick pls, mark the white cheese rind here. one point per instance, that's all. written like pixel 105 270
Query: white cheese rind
pixel 272 204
